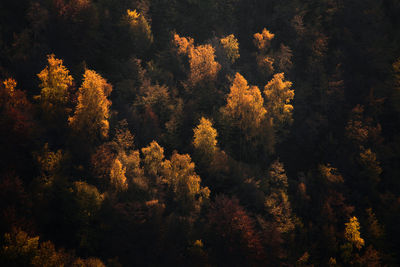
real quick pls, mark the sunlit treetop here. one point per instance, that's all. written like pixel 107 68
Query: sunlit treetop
pixel 133 15
pixel 140 30
pixel 92 112
pixel 352 233
pixel 245 104
pixel 205 137
pixel 9 85
pixel 180 176
pixel 278 95
pixel 262 40
pixel 183 44
pixel 153 158
pixel 55 81
pixel 202 64
pixel 117 176
pixel 231 47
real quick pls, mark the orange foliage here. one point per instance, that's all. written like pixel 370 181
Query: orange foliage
pixel 262 40
pixel 245 105
pixel 203 66
pixel 92 111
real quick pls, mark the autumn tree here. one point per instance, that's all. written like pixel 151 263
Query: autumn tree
pixel 141 37
pixel 184 184
pixel 205 139
pixel 265 61
pixel 278 95
pixel 117 176
pixel 232 235
pixel 277 202
pixel 247 128
pixel 153 158
pixel 202 64
pixel 54 94
pixel 245 106
pixel 83 213
pixel 91 115
pixel 231 47
pixel 353 239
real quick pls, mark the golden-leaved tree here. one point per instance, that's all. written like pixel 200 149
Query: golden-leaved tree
pixel 264 59
pixel 245 106
pixel 205 139
pixel 203 67
pixel 55 82
pixel 184 184
pixel 231 47
pixel 141 36
pixel 278 94
pixel 92 112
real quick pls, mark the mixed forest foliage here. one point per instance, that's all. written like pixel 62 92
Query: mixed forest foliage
pixel 199 133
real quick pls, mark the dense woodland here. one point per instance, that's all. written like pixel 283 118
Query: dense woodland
pixel 199 133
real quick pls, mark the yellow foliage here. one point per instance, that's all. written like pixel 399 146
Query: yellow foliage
pixel 180 176
pixel 231 47
pixel 205 137
pixel 133 16
pixel 55 81
pixel 352 233
pixel 265 64
pixel 92 112
pixel 183 44
pixel 245 105
pixel 131 161
pixel 10 85
pixel 202 64
pixel 20 244
pixel 262 40
pixel 117 176
pixel 153 158
pixel 278 95
pixel 201 59
pixel 139 29
pixel 198 243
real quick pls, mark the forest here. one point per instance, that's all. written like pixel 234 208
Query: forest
pixel 199 133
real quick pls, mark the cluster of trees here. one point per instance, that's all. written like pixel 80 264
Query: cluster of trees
pixel 199 132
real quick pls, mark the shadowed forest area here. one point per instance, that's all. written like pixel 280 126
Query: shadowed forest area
pixel 199 133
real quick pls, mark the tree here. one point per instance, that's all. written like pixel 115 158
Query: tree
pixel 278 95
pixel 55 82
pixel 153 158
pixel 263 40
pixel 205 139
pixel 353 239
pixel 184 183
pixel 264 59
pixel 203 66
pixel 117 176
pixel 277 202
pixel 231 47
pixel 83 213
pixel 245 106
pixel 232 237
pixel 141 37
pixel 91 115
